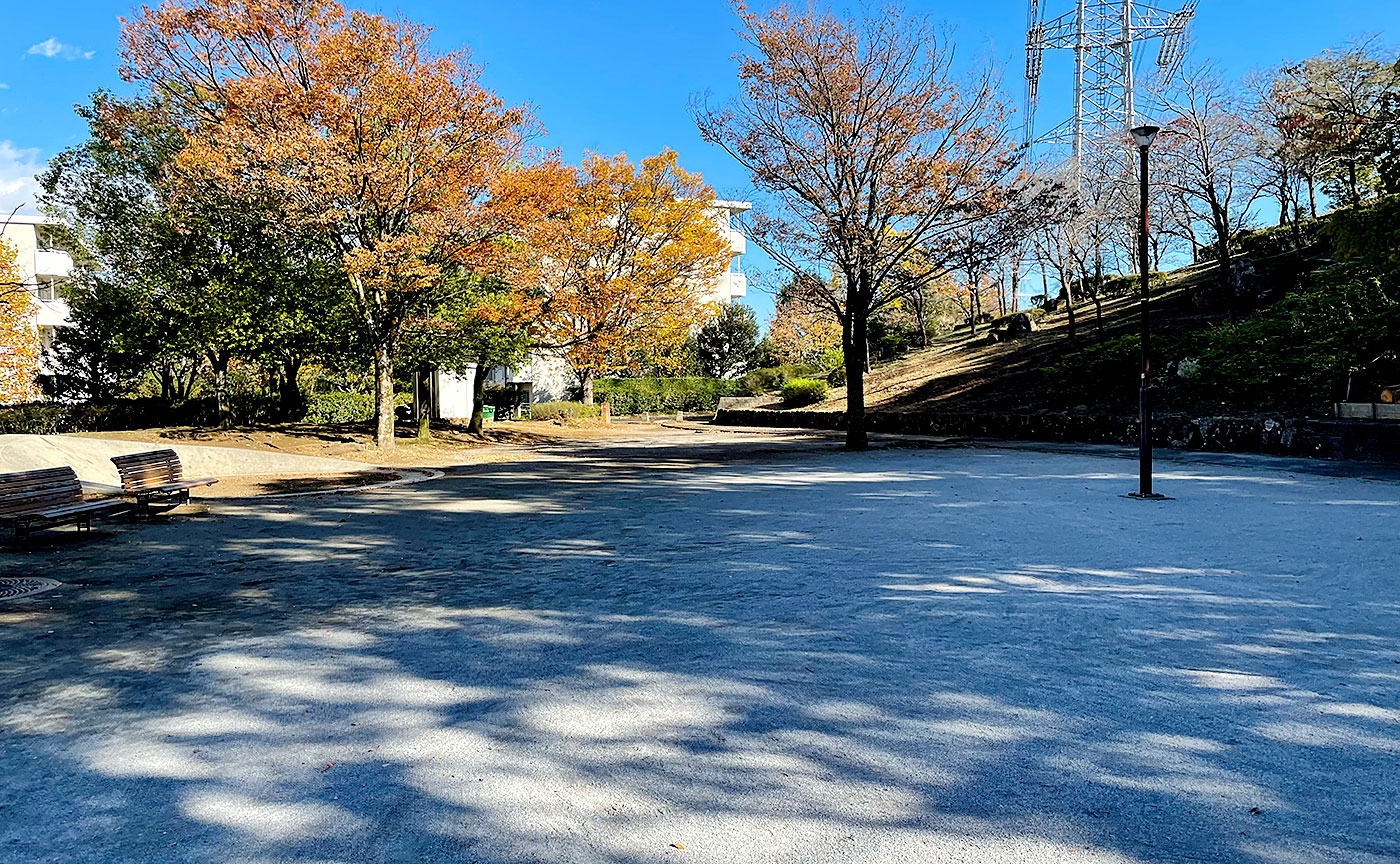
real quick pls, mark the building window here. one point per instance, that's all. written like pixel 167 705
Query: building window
pixel 48 288
pixel 46 239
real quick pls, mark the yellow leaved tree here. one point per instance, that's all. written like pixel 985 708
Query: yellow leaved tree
pixel 627 270
pixel 355 127
pixel 19 340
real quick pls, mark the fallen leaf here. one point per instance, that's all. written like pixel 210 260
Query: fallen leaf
pixel 677 846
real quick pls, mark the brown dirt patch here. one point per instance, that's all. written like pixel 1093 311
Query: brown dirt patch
pixel 450 444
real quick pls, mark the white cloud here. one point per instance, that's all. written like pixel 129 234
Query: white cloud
pixel 4 86
pixel 51 47
pixel 18 165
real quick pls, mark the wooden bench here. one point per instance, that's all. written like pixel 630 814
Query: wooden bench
pixel 156 474
pixel 49 496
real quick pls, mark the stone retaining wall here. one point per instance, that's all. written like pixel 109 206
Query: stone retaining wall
pixel 1283 436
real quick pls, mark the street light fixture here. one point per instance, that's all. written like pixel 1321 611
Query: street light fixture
pixel 1143 136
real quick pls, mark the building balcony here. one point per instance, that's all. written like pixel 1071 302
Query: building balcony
pixel 735 285
pixel 52 262
pixel 738 245
pixel 52 313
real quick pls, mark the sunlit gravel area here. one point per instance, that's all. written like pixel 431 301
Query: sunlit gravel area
pixel 725 649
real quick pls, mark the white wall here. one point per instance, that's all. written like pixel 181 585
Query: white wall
pixel 454 395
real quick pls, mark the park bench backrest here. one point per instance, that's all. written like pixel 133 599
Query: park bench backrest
pixel 141 471
pixel 26 491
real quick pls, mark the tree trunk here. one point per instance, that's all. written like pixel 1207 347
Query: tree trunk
pixel 167 383
pixel 853 338
pixel 1069 310
pixel 423 404
pixel 478 421
pixel 290 402
pixel 218 362
pixel 918 305
pixel 586 386
pixel 1312 196
pixel 383 397
pixel 1016 285
pixel 1222 256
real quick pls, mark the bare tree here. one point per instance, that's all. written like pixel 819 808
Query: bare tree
pixel 1206 158
pixel 871 150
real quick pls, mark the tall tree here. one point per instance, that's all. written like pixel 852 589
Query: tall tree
pixel 482 323
pixel 357 128
pixel 627 268
pixel 803 327
pixel 208 278
pixel 725 346
pixel 1346 104
pixel 870 150
pixel 1207 157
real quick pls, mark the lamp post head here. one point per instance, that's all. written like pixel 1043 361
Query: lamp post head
pixel 1144 135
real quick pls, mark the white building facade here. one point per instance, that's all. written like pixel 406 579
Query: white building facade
pixel 43 267
pixel 547 378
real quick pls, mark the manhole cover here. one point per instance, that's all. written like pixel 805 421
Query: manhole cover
pixel 12 588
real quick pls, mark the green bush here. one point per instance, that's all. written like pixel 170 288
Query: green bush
pixel 339 408
pixel 1370 234
pixel 57 418
pixel 767 380
pixel 663 395
pixel 322 408
pixel 803 391
pixel 566 412
pixel 1298 353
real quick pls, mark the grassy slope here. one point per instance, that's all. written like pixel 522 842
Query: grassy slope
pixel 960 372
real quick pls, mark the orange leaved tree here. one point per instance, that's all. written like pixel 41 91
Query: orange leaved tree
pixel 19 340
pixel 627 270
pixel 351 125
pixel 871 151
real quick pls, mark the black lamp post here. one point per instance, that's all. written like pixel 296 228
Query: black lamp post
pixel 1143 137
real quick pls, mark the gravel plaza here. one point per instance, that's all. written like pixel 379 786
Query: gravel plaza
pixel 721 648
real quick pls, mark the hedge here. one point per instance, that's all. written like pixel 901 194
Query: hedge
pixel 663 395
pixel 803 391
pixel 339 407
pixel 564 411
pixel 56 418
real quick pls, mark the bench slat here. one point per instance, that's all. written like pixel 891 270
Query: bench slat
pixel 48 495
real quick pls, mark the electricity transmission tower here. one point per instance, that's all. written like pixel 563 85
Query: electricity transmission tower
pixel 1103 35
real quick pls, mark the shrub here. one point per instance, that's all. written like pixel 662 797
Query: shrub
pixel 1299 352
pixel 56 418
pixel 565 412
pixel 663 395
pixel 767 380
pixel 339 408
pixel 803 391
pixel 1106 372
pixel 504 399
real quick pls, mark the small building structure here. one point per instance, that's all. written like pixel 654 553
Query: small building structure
pixel 43 267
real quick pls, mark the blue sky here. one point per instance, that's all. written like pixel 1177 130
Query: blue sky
pixel 615 76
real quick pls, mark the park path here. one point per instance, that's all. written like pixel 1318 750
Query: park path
pixel 759 649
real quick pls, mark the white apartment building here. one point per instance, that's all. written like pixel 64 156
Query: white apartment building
pixel 546 378
pixel 43 266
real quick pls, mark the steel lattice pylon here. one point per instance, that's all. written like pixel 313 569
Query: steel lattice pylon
pixel 1102 34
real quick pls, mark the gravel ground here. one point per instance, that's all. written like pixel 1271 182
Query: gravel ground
pixel 720 648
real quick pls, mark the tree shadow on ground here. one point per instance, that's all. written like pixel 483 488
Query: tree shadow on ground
pixel 758 656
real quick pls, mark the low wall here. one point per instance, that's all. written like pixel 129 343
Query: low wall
pixel 1357 440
